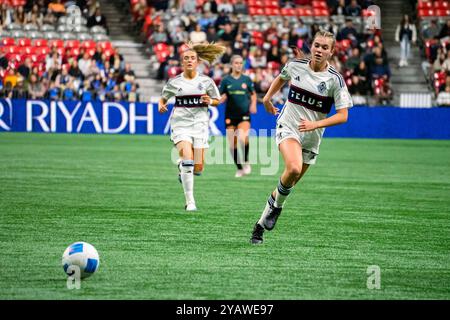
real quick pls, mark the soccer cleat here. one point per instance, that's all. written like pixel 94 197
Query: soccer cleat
pixel 239 173
pixel 247 168
pixel 257 234
pixel 190 207
pixel 272 217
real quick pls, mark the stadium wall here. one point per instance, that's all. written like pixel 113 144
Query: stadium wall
pixel 141 118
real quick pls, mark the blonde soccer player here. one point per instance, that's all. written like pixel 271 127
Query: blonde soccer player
pixel 189 121
pixel 314 86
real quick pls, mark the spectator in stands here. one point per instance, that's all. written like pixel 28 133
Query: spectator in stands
pixel 84 64
pixel 405 34
pixel 431 31
pixel 353 9
pixel 36 88
pixel 339 10
pixel 445 31
pixel 25 68
pixel 362 72
pixel 210 6
pixel 358 90
pixel 198 35
pixel 227 35
pixel 348 32
pixel 225 6
pixel 98 19
pixel 443 98
pixel 302 30
pixel 19 16
pixel 380 69
pixel 35 16
pixel 188 6
pixel 3 61
pixel 74 71
pixel 445 84
pixel 211 34
pixel 240 7
pixel 446 63
pixel 178 36
pixel 258 59
pixel 56 7
pixel 221 21
pixel 6 15
pixel 159 36
pixel 353 61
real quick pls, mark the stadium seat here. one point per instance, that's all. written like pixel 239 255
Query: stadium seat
pixel 8 42
pixel 56 43
pixel 72 44
pixel 319 4
pixel 40 42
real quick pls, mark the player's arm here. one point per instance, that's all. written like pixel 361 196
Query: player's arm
pixel 223 98
pixel 214 102
pixel 253 100
pixel 276 85
pixel 212 96
pixel 168 92
pixel 341 116
pixel 162 105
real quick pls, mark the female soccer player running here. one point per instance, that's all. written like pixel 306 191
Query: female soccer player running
pixel 314 87
pixel 238 91
pixel 189 121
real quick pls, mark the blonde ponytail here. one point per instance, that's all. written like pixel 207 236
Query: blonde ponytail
pixel 207 51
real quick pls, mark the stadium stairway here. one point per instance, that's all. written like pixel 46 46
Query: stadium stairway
pixel 124 37
pixel 410 79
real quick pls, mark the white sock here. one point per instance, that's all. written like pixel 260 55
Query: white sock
pixel 266 210
pixel 281 194
pixel 187 179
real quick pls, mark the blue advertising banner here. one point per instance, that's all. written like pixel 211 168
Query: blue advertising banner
pixel 142 118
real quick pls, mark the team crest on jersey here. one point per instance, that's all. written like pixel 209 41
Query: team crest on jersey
pixel 244 86
pixel 322 87
pixel 297 78
pixel 200 87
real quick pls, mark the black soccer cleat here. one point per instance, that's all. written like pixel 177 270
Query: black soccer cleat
pixel 272 217
pixel 257 234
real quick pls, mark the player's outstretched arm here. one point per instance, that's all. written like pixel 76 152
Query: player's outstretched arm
pixel 276 85
pixel 341 116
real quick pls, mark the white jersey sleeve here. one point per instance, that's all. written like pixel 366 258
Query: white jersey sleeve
pixel 342 98
pixel 286 72
pixel 169 90
pixel 212 90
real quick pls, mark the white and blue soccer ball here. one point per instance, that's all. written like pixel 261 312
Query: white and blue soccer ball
pixel 83 255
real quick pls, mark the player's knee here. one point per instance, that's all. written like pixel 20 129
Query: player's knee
pixel 294 170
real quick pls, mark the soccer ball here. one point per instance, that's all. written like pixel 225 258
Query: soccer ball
pixel 83 255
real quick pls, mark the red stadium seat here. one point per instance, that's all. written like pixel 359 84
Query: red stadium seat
pixel 321 12
pixel 442 12
pixel 88 44
pixel 423 13
pixel 72 44
pixel 424 4
pixel 40 43
pixel 24 42
pixel 288 12
pixel 56 43
pixel 319 4
pixel 8 42
pixel 105 45
pixel 42 50
pixel 272 65
pixel 11 49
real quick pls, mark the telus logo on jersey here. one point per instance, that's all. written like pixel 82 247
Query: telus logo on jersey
pixel 189 101
pixel 310 100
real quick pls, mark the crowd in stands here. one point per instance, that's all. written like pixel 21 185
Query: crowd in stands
pixel 264 32
pixel 36 62
pixel 434 23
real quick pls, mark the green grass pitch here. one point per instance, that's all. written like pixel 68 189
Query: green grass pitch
pixel 366 202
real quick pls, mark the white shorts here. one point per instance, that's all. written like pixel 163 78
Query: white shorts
pixel 198 137
pixel 309 141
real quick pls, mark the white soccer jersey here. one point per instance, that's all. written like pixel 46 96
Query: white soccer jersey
pixel 311 96
pixel 188 110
